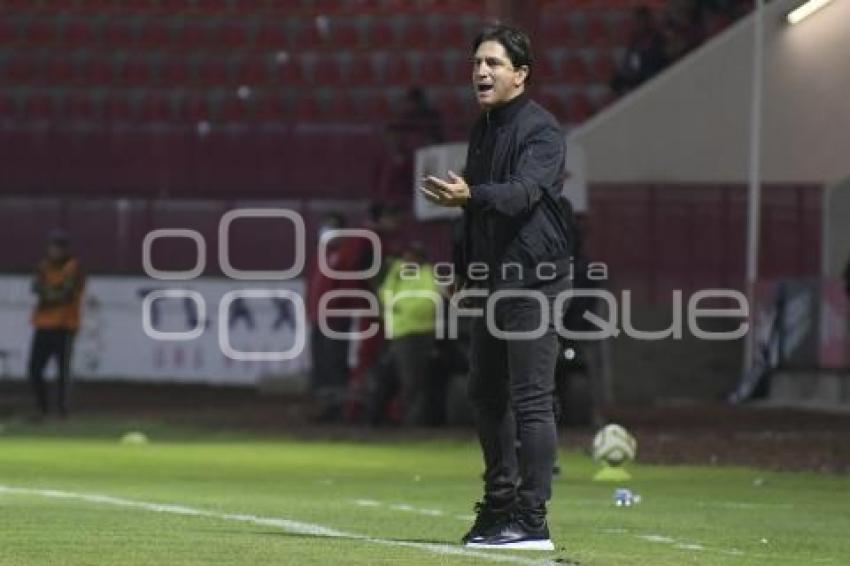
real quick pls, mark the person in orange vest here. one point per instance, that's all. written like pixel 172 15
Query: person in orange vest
pixel 58 284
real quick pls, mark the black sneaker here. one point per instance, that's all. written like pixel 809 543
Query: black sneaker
pixel 489 519
pixel 517 534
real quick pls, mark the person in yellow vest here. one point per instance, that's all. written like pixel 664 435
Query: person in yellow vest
pixel 58 285
pixel 409 323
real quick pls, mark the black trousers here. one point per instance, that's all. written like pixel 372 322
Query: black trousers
pixel 405 369
pixel 329 378
pixel 50 343
pixel 511 387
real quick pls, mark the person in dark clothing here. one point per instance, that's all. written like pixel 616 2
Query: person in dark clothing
pixel 646 53
pixel 58 284
pixel 513 226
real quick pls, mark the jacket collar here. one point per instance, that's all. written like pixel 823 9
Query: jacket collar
pixel 503 114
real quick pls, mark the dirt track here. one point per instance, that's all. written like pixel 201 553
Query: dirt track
pixel 707 435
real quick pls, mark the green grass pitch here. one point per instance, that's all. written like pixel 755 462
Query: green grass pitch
pixel 75 496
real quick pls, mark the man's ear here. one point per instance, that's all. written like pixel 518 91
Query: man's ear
pixel 521 75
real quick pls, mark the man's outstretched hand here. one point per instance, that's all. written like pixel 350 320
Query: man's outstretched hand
pixel 454 192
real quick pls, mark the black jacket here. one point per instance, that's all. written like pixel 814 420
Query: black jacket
pixel 515 170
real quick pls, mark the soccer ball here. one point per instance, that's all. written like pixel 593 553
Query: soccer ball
pixel 614 445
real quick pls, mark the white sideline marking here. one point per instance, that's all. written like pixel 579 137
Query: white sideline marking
pixel 287 525
pixel 657 538
pixel 410 509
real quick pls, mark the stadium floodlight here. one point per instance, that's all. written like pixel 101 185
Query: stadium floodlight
pixel 805 10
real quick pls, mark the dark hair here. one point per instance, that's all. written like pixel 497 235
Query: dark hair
pixel 514 40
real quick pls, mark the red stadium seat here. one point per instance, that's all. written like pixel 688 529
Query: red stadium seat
pixel 547 69
pixel 432 70
pixel 362 71
pixel 213 71
pixel 97 71
pixel 306 108
pixel 252 71
pixel 118 108
pixel 597 31
pixel 575 70
pixel 119 34
pixel 193 108
pixel 156 108
pixel 343 35
pixel 555 31
pixel 376 108
pixel 604 66
pixel 230 35
pixel 308 37
pixel 417 34
pixel 579 108
pixel 155 33
pixel 135 71
pixel 235 109
pixel 291 72
pixel 79 106
pixel 174 71
pixel 192 35
pixel 269 109
pixel 41 33
pixel 398 71
pixel 77 33
pixel 21 70
pixel 381 34
pixel 326 71
pixel 271 37
pixel 341 108
pixel 60 71
pixel 459 70
pixel 40 107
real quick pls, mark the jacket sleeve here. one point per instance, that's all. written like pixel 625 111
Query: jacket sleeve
pixel 540 168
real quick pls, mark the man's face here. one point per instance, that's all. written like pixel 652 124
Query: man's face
pixel 494 78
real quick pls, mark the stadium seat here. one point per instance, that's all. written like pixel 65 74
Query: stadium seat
pixel 575 70
pixel 597 32
pixel 397 70
pixel 343 35
pixel 21 70
pixel 191 36
pixel 270 109
pixel 155 107
pixel 604 66
pixel 306 108
pixel 135 71
pixel 376 108
pixel 291 72
pixel 432 70
pixel 40 106
pixel 271 37
pixel 230 35
pixel 547 68
pixel 213 71
pixel 60 71
pixel 118 34
pixel 174 71
pixel 252 71
pixel 381 34
pixel 579 108
pixel 193 108
pixel 362 71
pixel 326 71
pixel 118 108
pixel 40 33
pixel 77 33
pixel 79 106
pixel 96 71
pixel 416 34
pixel 155 33
pixel 235 109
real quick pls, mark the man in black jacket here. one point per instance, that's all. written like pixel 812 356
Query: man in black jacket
pixel 515 232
